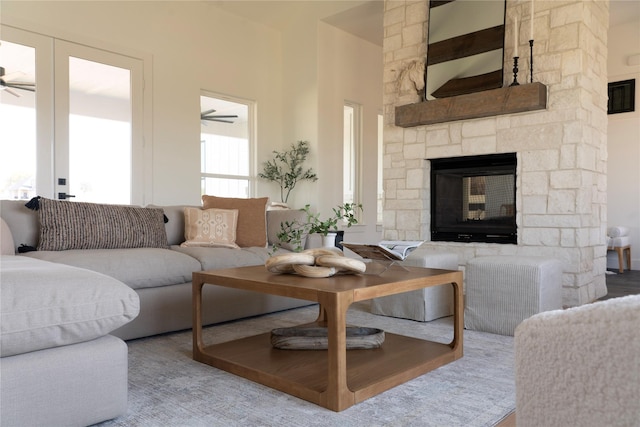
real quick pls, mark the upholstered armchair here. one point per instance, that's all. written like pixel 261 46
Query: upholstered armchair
pixel 580 367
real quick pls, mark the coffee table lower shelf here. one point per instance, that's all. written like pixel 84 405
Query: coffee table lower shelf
pixel 304 373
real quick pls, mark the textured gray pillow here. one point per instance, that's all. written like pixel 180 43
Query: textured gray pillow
pixel 77 225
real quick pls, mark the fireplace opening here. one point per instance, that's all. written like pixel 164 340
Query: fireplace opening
pixel 473 199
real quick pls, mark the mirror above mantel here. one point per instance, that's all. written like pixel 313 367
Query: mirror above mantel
pixel 465 47
pixel 464 67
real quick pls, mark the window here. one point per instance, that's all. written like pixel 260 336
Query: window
pixel 380 194
pixel 226 146
pixel 351 148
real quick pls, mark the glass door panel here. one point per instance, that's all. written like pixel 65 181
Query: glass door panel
pixel 86 143
pixel 99 132
pixel 26 115
pixel 17 121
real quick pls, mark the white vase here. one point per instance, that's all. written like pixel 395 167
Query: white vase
pixel 329 241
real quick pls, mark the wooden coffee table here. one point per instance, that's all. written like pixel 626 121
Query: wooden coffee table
pixel 334 378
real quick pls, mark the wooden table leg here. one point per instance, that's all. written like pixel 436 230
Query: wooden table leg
pixel 322 314
pixel 197 319
pixel 337 397
pixel 458 316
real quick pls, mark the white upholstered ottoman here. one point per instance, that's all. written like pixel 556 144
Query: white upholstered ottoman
pixel 425 304
pixel 502 291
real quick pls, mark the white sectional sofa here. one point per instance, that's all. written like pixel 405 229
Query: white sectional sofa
pixel 77 374
pixel 59 364
pixel 162 276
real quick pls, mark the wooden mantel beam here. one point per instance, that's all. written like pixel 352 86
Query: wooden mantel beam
pixel 495 102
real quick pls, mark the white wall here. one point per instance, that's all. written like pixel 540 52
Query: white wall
pixel 192 46
pixel 351 70
pixel 299 78
pixel 623 173
pixel 324 67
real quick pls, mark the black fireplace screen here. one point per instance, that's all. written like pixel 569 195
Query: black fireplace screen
pixel 473 199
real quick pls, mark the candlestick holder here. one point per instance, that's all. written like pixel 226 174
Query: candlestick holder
pixel 531 59
pixel 515 72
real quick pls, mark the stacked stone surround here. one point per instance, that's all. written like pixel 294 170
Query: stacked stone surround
pixel 561 152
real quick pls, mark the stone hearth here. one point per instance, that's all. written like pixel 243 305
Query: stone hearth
pixel 561 151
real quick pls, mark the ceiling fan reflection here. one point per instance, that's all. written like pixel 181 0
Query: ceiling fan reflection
pixel 9 85
pixel 209 116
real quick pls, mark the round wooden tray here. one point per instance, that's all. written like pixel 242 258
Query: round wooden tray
pixel 315 338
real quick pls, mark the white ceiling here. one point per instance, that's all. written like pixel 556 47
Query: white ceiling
pixel 363 19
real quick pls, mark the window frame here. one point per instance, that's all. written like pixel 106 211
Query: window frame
pixel 252 146
pixel 352 154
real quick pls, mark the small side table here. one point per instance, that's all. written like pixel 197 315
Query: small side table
pixel 620 250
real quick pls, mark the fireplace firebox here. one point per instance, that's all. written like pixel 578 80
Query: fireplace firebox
pixel 473 199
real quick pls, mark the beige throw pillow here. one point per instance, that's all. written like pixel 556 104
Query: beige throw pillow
pixel 252 218
pixel 210 227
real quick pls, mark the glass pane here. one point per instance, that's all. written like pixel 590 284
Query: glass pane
pixel 225 187
pixel 380 196
pixel 348 172
pixel 225 155
pixel 99 132
pixel 17 122
pixel 225 147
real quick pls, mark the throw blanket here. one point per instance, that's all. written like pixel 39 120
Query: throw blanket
pixel 618 231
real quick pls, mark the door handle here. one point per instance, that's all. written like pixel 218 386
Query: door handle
pixel 63 196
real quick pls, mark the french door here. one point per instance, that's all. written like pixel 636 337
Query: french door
pixel 88 119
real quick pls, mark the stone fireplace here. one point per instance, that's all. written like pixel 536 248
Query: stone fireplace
pixel 560 182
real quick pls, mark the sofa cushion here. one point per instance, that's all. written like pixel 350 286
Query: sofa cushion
pixel 22 221
pixel 138 268
pixel 7 247
pixel 48 305
pixel 77 225
pixel 213 258
pixel 210 227
pixel 175 222
pixel 252 218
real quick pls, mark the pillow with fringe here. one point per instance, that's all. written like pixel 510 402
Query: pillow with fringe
pixel 68 225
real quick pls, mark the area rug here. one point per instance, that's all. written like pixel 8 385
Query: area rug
pixel 168 388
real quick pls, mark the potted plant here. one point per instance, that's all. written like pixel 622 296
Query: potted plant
pixel 328 227
pixel 286 169
pixel 293 234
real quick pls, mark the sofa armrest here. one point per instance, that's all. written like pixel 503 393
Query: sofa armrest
pixel 22 221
